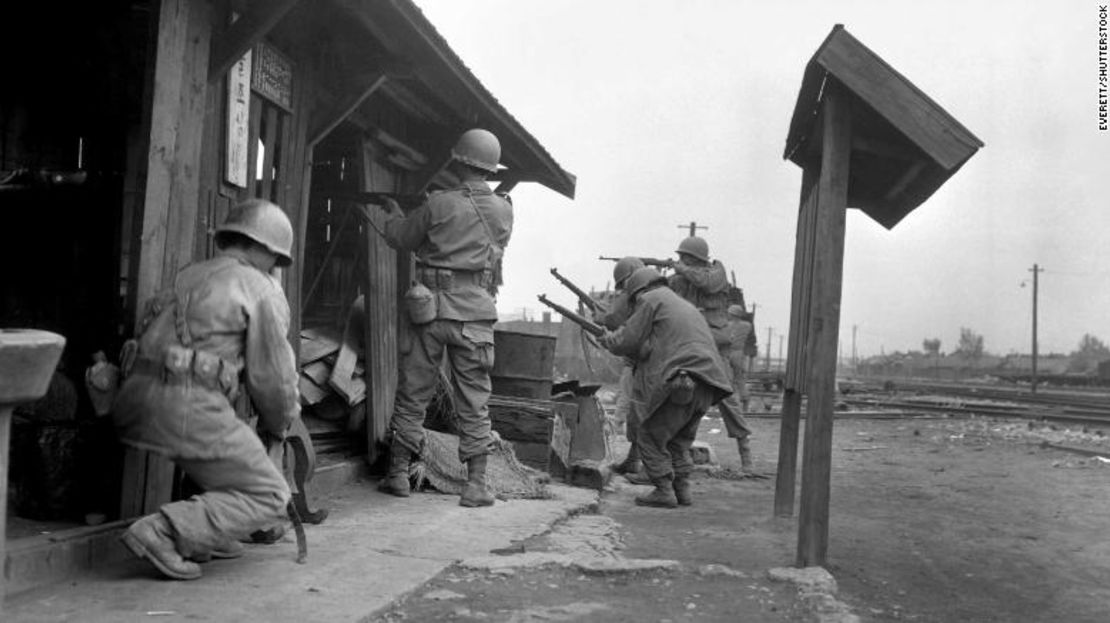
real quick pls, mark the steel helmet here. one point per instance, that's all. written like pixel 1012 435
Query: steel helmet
pixel 478 148
pixel 642 278
pixel 265 223
pixel 695 246
pixel 737 311
pixel 624 269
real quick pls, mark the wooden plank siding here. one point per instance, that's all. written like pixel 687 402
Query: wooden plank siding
pixel 170 201
pixel 382 313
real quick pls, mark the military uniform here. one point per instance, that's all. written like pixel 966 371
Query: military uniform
pixel 223 322
pixel 707 288
pixel 678 342
pixel 458 237
pixel 743 345
pixel 629 407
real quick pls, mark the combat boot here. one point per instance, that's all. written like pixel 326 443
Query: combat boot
pixel 230 549
pixel 631 463
pixel 476 493
pixel 682 490
pixel 662 496
pixel 744 446
pixel 638 477
pixel 151 538
pixel 397 479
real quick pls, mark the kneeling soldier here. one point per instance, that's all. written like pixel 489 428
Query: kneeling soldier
pixel 679 377
pixel 223 321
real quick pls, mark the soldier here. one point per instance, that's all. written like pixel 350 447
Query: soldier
pixel 680 376
pixel 628 404
pixel 223 321
pixel 742 334
pixel 458 237
pixel 705 285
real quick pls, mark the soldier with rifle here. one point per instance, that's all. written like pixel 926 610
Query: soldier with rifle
pixel 679 377
pixel 458 237
pixel 704 283
pixel 629 405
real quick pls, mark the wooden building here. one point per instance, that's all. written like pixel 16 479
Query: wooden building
pixel 865 137
pixel 129 128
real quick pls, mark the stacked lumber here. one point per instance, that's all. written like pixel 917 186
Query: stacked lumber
pixel 332 383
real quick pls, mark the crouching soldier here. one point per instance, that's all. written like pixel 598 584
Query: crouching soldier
pixel 628 403
pixel 223 322
pixel 679 375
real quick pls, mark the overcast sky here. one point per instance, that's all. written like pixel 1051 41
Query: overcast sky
pixel 670 111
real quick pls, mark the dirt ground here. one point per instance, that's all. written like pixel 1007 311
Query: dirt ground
pixel 932 519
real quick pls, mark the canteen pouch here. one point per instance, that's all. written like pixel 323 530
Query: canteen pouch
pixel 420 304
pixel 681 388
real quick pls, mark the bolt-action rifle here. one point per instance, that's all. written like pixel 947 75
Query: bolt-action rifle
pixel 587 300
pixel 406 201
pixel 593 329
pixel 648 261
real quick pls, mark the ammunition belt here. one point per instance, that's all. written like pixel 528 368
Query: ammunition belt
pixel 451 279
pixel 187 366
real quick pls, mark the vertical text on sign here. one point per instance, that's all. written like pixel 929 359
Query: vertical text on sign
pixel 238 121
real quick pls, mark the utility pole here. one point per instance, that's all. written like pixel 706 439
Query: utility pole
pixel 693 226
pixel 1035 270
pixel 767 361
pixel 855 359
pixel 781 360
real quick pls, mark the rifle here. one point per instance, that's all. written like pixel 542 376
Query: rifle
pixel 586 299
pixel 406 201
pixel 593 329
pixel 648 261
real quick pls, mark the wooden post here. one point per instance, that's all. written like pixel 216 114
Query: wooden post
pixel 171 200
pixel 799 321
pixel 832 197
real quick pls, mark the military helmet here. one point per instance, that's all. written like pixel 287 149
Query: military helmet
pixel 624 269
pixel 695 246
pixel 642 278
pixel 265 223
pixel 737 311
pixel 478 148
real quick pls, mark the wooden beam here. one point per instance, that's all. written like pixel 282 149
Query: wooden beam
pixel 323 122
pixel 229 46
pixel 799 319
pixel 169 219
pixel 832 189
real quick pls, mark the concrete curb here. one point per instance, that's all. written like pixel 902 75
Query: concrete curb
pixel 816 590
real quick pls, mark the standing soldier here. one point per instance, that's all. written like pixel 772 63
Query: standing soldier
pixel 705 285
pixel 458 237
pixel 628 403
pixel 679 377
pixel 223 321
pixel 742 334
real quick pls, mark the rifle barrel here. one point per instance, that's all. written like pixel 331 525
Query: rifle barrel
pixel 590 327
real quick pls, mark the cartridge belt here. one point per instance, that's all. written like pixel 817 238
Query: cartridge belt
pixel 182 366
pixel 451 279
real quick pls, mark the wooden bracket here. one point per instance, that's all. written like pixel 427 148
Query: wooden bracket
pixel 323 123
pixel 229 46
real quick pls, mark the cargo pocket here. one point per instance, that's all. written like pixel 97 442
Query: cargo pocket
pixel 480 334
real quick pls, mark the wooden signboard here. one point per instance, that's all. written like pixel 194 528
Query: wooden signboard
pixel 273 75
pixel 238 121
